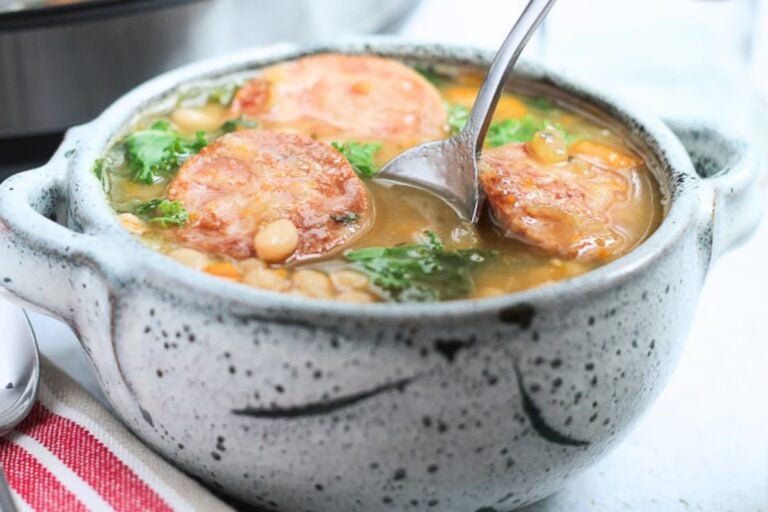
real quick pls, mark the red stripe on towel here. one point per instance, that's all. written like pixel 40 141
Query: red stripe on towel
pixel 34 483
pixel 85 455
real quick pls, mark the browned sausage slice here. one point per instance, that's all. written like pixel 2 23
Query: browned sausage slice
pixel 246 179
pixel 562 208
pixel 346 97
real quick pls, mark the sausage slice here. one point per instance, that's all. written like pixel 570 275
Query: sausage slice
pixel 345 97
pixel 247 179
pixel 563 208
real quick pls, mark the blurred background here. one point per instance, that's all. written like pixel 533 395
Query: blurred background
pixel 704 446
pixel 63 61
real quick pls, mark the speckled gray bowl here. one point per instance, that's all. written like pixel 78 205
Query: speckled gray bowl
pixel 300 405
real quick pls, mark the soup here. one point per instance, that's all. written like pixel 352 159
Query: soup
pixel 271 181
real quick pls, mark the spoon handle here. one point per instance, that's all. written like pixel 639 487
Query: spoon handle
pixel 501 67
pixel 6 500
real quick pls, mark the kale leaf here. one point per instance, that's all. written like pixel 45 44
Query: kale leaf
pixel 521 130
pixel 458 116
pixel 360 156
pixel 159 150
pixel 513 130
pixel 163 212
pixel 423 272
pixel 233 124
pixel 431 75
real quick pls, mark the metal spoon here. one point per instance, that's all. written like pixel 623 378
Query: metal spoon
pixel 449 167
pixel 19 377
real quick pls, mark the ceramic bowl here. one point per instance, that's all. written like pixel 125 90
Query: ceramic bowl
pixel 295 404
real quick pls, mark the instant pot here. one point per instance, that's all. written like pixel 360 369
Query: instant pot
pixel 63 61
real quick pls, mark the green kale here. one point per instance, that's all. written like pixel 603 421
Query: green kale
pixel 430 74
pixel 233 124
pixel 541 103
pixel 224 94
pixel 163 212
pixel 345 218
pixel 159 151
pixel 360 156
pixel 522 130
pixel 421 272
pixel 513 130
pixel 100 167
pixel 458 116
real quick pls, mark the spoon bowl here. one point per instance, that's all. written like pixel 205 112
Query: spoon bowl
pixel 19 366
pixel 448 167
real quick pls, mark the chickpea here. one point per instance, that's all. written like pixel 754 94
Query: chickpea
pixel 192 120
pixel 347 280
pixel 267 279
pixel 276 241
pixel 548 146
pixel 313 283
pixel 132 223
pixel 355 296
pixel 190 258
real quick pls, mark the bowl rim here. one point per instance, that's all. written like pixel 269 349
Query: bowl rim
pixel 194 287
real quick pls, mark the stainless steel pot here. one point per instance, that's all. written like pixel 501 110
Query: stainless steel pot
pixel 62 65
pixel 298 404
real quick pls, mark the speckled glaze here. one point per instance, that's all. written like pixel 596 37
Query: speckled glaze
pixel 298 405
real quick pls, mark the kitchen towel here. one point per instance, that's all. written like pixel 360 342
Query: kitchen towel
pixel 71 454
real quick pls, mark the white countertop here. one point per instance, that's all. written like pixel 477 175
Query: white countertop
pixel 704 445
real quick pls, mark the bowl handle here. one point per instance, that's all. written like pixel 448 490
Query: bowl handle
pixel 729 170
pixel 43 262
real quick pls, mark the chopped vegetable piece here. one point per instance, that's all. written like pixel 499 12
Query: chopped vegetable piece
pixel 548 146
pixel 422 272
pixel 510 107
pixel 360 156
pixel 458 116
pixel 100 171
pixel 541 103
pixel 345 218
pixel 224 94
pixel 604 155
pixel 223 269
pixel 233 124
pixel 162 211
pixel 159 150
pixel 513 130
pixel 430 74
pixel 520 130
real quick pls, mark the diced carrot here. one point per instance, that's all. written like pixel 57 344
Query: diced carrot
pixel 510 107
pixel 606 155
pixel 460 95
pixel 223 269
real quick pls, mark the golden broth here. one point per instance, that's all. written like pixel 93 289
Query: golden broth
pixel 401 213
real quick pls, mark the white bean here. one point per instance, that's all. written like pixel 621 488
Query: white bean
pixel 355 296
pixel 267 279
pixel 192 120
pixel 346 280
pixel 250 264
pixel 313 283
pixel 190 258
pixel 276 241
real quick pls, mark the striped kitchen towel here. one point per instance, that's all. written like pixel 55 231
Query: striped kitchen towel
pixel 70 454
